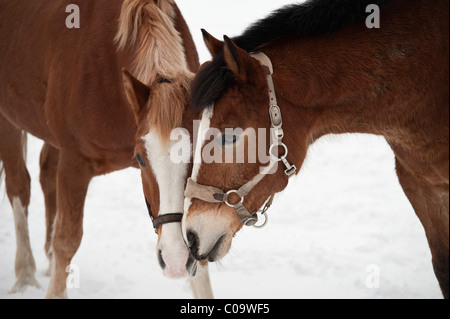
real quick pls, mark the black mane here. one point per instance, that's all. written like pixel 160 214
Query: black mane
pixel 311 19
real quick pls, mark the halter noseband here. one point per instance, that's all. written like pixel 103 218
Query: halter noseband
pixel 214 195
pixel 163 219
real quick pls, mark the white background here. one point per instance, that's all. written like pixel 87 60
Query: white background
pixel 345 212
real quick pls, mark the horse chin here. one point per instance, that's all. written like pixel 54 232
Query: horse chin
pixel 176 268
pixel 175 275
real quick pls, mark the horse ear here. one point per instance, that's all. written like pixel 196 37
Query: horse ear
pixel 214 46
pixel 236 59
pixel 137 92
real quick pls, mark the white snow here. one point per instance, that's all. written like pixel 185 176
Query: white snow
pixel 343 217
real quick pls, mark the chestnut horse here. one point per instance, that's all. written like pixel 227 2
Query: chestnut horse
pixel 65 86
pixel 316 69
pixel 12 159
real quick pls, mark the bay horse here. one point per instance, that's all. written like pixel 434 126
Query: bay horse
pixel 65 87
pixel 314 69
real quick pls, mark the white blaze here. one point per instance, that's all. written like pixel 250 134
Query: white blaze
pixel 171 178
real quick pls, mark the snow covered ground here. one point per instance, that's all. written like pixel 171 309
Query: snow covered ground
pixel 343 221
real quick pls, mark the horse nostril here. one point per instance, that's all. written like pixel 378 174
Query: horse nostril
pixel 161 260
pixel 193 242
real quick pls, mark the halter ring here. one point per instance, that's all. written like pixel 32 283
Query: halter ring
pixel 278 158
pixel 251 222
pixel 227 195
pixel 266 220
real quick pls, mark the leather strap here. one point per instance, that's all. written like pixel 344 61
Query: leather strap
pixel 167 219
pixel 264 60
pixel 275 113
pixel 215 195
pixel 163 219
pixel 205 193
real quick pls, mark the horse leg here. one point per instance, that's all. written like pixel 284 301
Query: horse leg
pixel 433 211
pixel 17 180
pixel 73 177
pixel 48 165
pixel 201 283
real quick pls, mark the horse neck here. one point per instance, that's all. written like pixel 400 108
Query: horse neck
pixel 361 81
pixel 330 94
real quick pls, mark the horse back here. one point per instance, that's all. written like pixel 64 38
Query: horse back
pixel 64 85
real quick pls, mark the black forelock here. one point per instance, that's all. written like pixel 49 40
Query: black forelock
pixel 310 19
pixel 210 82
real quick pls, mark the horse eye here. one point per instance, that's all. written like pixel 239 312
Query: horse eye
pixel 140 160
pixel 228 139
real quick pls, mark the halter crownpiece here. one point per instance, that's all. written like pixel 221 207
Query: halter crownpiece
pixel 212 194
pixel 275 116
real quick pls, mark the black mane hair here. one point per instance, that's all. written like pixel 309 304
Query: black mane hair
pixel 311 19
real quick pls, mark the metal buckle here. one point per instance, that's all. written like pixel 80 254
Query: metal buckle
pixel 291 170
pixel 275 116
pixel 277 133
pixel 227 195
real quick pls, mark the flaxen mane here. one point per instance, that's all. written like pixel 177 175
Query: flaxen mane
pixel 160 55
pixel 150 26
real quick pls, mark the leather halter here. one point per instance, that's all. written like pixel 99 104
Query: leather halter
pixel 214 195
pixel 163 219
